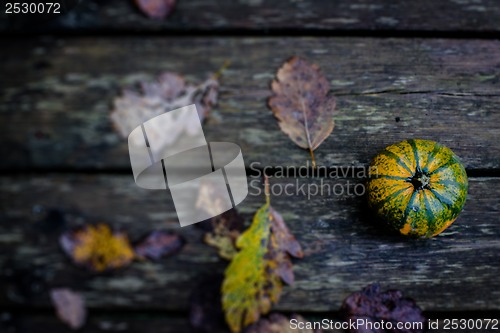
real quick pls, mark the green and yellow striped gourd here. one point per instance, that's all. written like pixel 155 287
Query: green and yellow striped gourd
pixel 418 187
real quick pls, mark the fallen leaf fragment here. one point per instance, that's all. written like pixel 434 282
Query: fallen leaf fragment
pixel 284 238
pixel 156 9
pixel 302 105
pixel 278 323
pixel 159 243
pixel 282 245
pixel 254 278
pixel 97 247
pixel 168 93
pixel 70 307
pixel 225 230
pixel 370 304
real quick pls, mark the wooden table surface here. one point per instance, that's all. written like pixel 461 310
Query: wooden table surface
pixel 421 69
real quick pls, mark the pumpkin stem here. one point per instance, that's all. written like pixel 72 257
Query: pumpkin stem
pixel 420 180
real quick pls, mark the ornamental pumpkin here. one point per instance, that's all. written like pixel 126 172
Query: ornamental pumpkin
pixel 417 187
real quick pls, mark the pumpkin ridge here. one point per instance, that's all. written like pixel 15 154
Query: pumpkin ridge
pixel 398 160
pixel 389 197
pixel 431 192
pixel 428 209
pixel 390 177
pixel 443 200
pixel 451 161
pixel 415 154
pixel 445 225
pixel 432 156
pixel 408 207
pixel 451 182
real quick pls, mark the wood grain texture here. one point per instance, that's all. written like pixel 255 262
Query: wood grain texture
pixel 259 15
pixel 57 94
pixel 127 323
pixel 345 248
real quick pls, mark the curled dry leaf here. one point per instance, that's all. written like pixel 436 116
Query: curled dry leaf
pixel 371 304
pixel 168 93
pixel 156 9
pixel 277 323
pixel 224 229
pixel 159 243
pixel 254 278
pixel 70 307
pixel 97 247
pixel 302 105
pixel 282 245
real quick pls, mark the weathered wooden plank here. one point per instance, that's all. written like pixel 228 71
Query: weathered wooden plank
pixel 345 249
pixel 57 95
pixel 127 323
pixel 258 15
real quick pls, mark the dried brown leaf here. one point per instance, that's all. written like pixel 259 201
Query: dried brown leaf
pixel 284 238
pixel 281 246
pixel 159 243
pixel 70 307
pixel 302 105
pixel 278 323
pixel 97 247
pixel 370 304
pixel 168 93
pixel 156 9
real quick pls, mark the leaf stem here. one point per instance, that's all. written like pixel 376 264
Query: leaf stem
pixel 266 190
pixel 313 160
pixel 219 72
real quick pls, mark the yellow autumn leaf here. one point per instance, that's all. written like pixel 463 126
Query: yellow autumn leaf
pixel 246 290
pixel 254 279
pixel 98 247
